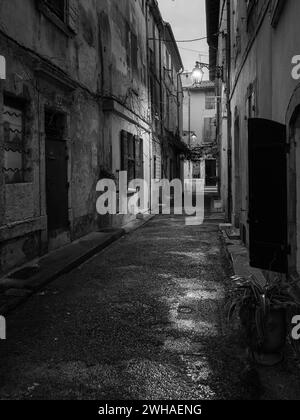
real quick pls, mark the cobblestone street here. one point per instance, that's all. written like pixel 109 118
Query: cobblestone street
pixel 144 319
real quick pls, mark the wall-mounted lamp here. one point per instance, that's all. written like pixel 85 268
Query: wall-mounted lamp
pixel 197 74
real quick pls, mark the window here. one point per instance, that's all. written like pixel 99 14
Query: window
pixel 278 6
pixel 210 102
pixel 167 110
pixel 251 16
pixel 251 101
pixel 209 130
pixel 151 60
pixel 210 173
pixel 143 4
pixel 250 4
pixel 168 60
pixel 134 51
pixel 154 167
pixel 132 154
pixel 14 148
pixel 58 7
pixel 62 13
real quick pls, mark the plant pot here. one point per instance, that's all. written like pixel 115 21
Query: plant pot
pixel 270 351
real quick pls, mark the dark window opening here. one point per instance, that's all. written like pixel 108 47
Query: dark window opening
pixel 211 173
pixel 58 7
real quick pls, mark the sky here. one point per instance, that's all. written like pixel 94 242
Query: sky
pixel 188 21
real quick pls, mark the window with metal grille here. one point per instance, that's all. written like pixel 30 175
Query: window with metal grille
pixel 14 148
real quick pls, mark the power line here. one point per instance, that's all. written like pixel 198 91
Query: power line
pixel 192 40
pixel 183 40
pixel 197 51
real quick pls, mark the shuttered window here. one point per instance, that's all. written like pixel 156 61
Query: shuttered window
pixel 63 13
pixel 58 7
pixel 134 52
pixel 132 156
pixel 210 101
pixel 209 135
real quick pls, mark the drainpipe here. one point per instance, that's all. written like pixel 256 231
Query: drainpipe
pixel 178 93
pixel 189 115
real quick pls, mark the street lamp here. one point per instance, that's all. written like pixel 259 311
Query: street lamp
pixel 194 138
pixel 197 74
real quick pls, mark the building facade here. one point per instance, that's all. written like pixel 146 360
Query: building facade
pixel 257 43
pixel 76 106
pixel 199 128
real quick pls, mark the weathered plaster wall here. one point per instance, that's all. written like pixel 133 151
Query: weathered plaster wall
pixel 268 65
pixel 38 40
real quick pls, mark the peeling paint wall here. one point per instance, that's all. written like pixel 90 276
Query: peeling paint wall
pixel 30 40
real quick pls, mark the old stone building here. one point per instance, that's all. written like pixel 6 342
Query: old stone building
pixel 165 67
pixel 77 105
pixel 257 44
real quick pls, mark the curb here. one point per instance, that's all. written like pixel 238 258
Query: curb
pixel 32 289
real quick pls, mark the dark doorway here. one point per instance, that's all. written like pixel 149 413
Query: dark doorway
pixel 56 171
pixel 237 174
pixel 210 173
pixel 267 195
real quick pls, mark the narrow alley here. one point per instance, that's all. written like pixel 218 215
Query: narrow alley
pixel 113 116
pixel 144 319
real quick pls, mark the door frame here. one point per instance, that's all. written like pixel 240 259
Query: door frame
pixel 66 237
pixel 292 114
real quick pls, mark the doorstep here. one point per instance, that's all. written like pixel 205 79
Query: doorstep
pixel 17 286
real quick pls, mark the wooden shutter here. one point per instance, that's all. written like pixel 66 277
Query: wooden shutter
pixel 73 15
pixel 267 195
pixel 207 129
pixel 213 128
pixel 124 151
pixel 134 52
pixel 139 158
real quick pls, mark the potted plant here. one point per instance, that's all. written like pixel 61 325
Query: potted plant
pixel 263 312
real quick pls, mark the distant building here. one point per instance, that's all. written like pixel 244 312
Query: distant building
pixel 199 128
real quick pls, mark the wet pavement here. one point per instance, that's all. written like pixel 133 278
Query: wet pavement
pixel 144 319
